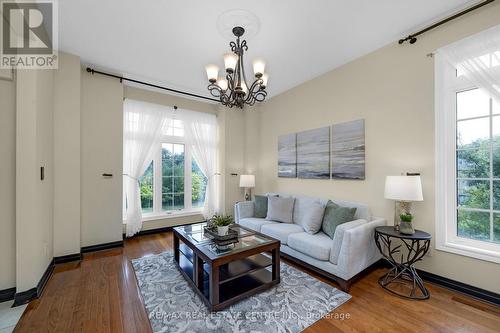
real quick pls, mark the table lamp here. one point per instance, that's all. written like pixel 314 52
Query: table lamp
pixel 248 182
pixel 404 190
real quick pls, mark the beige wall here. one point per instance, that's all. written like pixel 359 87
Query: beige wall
pixel 101 152
pixel 158 97
pixel 34 197
pixel 393 90
pixel 8 184
pixel 67 156
pixel 232 156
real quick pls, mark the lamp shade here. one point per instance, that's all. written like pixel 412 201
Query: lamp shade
pixel 212 72
pixel 403 188
pixel 258 67
pixel 230 60
pixel 247 181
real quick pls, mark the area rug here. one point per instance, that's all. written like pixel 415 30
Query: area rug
pixel 295 303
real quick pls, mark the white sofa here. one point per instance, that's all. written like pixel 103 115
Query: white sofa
pixel 342 258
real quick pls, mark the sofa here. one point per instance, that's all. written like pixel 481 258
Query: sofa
pixel 343 258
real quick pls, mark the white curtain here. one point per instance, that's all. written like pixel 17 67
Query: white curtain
pixel 478 58
pixel 201 134
pixel 143 123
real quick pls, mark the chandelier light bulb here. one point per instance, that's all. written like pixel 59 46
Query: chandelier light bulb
pixel 222 83
pixel 265 78
pixel 230 60
pixel 212 72
pixel 258 67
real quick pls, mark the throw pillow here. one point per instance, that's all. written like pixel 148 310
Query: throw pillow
pixel 334 216
pixel 260 205
pixel 280 209
pixel 313 218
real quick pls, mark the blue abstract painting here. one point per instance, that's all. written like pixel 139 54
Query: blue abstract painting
pixel 313 153
pixel 348 150
pixel 287 155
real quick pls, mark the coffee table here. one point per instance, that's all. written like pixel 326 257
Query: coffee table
pixel 224 277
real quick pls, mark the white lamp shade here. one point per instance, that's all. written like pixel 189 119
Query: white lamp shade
pixel 230 60
pixel 212 72
pixel 258 66
pixel 403 188
pixel 222 83
pixel 247 181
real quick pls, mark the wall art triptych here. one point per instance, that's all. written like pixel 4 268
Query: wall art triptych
pixel 335 152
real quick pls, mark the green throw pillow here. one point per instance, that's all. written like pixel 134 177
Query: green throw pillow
pixel 334 216
pixel 260 208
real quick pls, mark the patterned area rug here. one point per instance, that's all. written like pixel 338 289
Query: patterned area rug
pixel 295 303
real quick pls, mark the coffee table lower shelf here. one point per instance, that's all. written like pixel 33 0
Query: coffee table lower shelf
pixel 233 281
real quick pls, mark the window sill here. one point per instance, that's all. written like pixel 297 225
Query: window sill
pixel 171 215
pixel 469 251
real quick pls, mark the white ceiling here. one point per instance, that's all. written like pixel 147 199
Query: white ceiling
pixel 170 42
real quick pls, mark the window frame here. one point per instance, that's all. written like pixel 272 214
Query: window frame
pixel 447 85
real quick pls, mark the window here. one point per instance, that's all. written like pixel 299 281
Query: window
pixel 468 167
pixel 146 183
pixel 478 162
pixel 173 182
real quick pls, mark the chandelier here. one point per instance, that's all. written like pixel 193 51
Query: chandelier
pixel 233 90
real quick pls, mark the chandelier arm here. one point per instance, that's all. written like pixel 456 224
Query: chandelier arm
pixel 215 90
pixel 233 46
pixel 243 69
pixel 260 96
pixel 254 88
pixel 244 45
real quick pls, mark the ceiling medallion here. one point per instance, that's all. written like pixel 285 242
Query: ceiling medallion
pixel 233 90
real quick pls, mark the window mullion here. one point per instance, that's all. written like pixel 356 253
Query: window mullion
pixel 491 170
pixel 157 185
pixel 187 178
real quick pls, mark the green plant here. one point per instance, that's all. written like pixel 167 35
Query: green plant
pixel 222 220
pixel 406 217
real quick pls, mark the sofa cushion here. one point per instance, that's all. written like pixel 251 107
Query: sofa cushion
pixel 362 211
pixel 313 217
pixel 260 208
pixel 302 205
pixel 281 231
pixel 317 246
pixel 334 216
pixel 254 223
pixel 280 209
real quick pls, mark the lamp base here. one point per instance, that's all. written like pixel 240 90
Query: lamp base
pixel 400 207
pixel 248 194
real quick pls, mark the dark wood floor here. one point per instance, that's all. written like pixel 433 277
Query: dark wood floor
pixel 100 294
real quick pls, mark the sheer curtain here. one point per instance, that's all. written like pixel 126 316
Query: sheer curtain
pixel 201 134
pixel 143 123
pixel 477 58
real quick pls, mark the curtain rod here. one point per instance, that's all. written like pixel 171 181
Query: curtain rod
pixel 121 78
pixel 413 37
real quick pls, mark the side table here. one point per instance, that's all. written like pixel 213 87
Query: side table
pixel 402 271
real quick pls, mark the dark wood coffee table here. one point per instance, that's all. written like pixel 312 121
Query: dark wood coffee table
pixel 222 278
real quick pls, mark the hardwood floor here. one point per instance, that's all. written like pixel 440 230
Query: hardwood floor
pixel 100 294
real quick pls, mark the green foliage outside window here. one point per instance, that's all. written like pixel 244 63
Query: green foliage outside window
pixel 173 181
pixel 473 162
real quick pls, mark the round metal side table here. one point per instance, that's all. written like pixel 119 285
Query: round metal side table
pixel 402 252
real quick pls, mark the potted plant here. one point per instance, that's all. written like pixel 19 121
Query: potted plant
pixel 405 227
pixel 222 223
